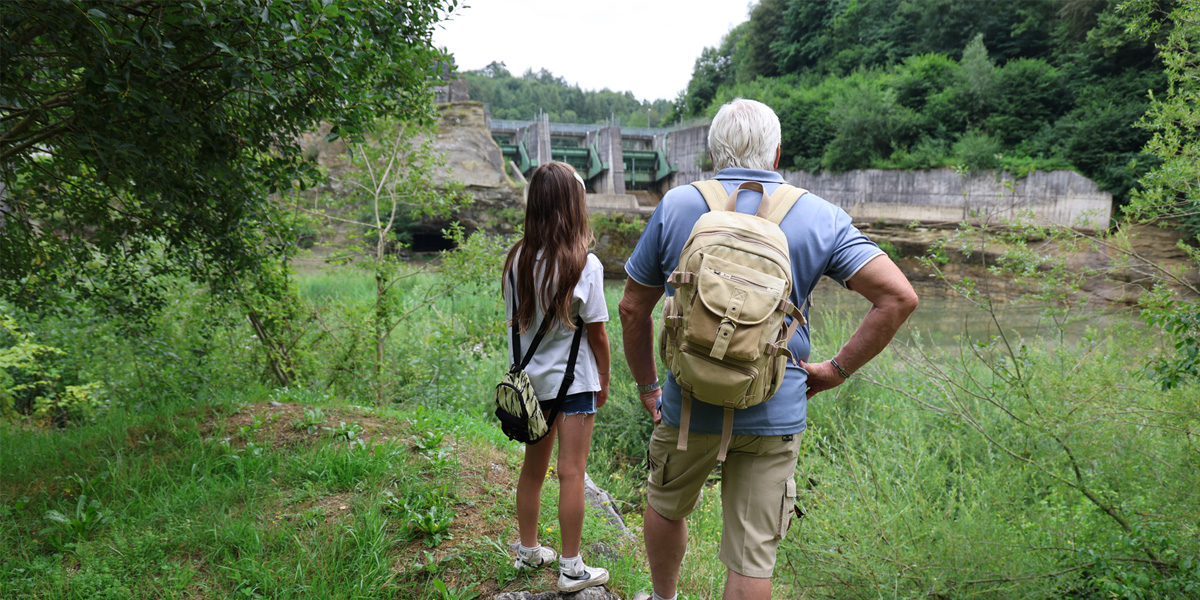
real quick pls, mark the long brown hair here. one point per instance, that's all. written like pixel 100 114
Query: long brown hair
pixel 556 227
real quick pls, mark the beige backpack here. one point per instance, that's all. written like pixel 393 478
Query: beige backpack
pixel 723 334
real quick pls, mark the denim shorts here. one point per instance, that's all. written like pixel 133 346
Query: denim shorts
pixel 583 403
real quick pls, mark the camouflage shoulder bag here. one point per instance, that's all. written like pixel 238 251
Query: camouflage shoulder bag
pixel 517 407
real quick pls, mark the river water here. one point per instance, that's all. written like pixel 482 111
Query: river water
pixel 944 317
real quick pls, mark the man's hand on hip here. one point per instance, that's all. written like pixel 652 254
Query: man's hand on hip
pixel 822 376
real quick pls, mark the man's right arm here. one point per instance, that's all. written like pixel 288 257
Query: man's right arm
pixel 637 333
pixel 892 301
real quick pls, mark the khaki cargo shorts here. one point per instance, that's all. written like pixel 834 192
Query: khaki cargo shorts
pixel 758 490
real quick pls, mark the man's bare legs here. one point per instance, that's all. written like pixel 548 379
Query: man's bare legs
pixel 666 543
pixel 740 587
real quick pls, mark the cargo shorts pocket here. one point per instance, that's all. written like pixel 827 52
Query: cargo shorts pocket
pixel 787 507
pixel 657 468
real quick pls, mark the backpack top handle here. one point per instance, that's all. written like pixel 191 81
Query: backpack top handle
pixel 764 207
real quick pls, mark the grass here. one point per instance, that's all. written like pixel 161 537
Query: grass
pixel 242 500
pixel 934 472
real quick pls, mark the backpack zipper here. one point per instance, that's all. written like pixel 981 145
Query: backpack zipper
pixel 746 239
pixel 688 349
pixel 741 279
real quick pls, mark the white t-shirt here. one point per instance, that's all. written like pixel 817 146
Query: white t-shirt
pixel 548 364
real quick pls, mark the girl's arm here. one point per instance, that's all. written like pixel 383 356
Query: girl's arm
pixel 598 341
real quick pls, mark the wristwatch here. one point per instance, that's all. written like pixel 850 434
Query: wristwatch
pixel 648 387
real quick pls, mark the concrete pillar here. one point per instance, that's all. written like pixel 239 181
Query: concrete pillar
pixel 608 144
pixel 540 141
pixel 536 137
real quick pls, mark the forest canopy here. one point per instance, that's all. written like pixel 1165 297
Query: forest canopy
pixel 533 93
pixel 934 83
pixel 906 84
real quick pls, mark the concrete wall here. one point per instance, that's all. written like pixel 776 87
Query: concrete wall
pixel 686 150
pixel 612 203
pixel 943 196
pixel 938 196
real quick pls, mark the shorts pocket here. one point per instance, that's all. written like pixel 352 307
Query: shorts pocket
pixel 787 506
pixel 658 468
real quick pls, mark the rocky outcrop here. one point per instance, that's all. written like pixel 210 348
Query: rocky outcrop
pixel 473 158
pixel 470 158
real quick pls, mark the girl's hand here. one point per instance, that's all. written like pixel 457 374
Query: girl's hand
pixel 602 395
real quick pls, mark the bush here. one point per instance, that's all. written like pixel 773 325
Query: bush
pixel 977 150
pixel 34 382
pixel 1029 95
pixel 868 122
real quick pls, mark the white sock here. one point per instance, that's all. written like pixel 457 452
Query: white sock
pixel 527 552
pixel 570 565
pixel 657 597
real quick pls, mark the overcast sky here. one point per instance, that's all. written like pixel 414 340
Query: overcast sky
pixel 647 47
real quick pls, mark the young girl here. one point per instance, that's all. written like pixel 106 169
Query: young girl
pixel 557 279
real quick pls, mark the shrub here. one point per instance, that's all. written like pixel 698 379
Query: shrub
pixel 868 122
pixel 34 383
pixel 977 150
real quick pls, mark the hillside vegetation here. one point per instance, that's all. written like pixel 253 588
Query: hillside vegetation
pixel 907 84
pixel 919 84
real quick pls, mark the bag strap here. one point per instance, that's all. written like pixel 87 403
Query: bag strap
pixel 569 375
pixel 782 200
pixel 516 336
pixel 773 207
pixel 713 193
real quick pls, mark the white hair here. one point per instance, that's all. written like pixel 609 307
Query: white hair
pixel 745 134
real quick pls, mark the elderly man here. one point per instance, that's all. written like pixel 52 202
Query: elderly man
pixel 758 485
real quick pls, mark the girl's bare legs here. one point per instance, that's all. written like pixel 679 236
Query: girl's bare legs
pixel 575 439
pixel 529 487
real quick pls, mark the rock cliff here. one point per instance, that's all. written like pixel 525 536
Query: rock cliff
pixel 473 158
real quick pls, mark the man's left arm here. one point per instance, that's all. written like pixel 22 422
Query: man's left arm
pixel 892 301
pixel 637 330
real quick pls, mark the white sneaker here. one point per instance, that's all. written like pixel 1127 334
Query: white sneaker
pixel 537 558
pixel 586 577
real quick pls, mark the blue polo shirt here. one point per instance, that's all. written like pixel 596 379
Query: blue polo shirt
pixel 822 241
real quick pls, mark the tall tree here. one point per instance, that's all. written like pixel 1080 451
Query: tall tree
pixel 152 131
pixel 1171 191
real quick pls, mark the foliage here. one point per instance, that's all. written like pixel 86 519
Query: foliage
pixel 311 421
pixel 67 528
pixel 34 382
pixel 133 130
pixel 905 465
pixel 1170 190
pixel 391 181
pixel 898 83
pixel 531 94
pixel 977 150
pixel 866 119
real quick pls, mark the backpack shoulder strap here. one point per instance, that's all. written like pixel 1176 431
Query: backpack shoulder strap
pixel 516 337
pixel 782 200
pixel 714 193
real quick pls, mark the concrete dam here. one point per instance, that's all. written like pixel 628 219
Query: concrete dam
pixel 627 168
